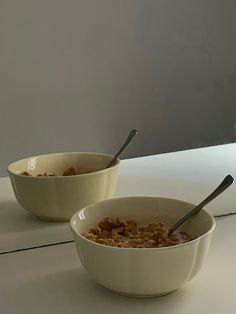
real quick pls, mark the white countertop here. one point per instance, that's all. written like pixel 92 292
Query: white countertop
pixel 189 175
pixel 51 280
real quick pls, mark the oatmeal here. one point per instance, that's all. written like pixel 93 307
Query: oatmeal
pixel 127 234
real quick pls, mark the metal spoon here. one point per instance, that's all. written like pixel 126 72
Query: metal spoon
pixel 228 180
pixel 127 141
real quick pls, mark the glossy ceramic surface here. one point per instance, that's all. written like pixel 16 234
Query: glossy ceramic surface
pixel 59 197
pixel 143 272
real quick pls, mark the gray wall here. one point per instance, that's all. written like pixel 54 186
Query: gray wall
pixel 79 74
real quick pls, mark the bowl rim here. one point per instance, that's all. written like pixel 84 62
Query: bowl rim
pixel 90 242
pixel 60 177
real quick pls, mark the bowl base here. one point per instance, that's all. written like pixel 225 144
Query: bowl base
pixel 54 219
pixel 155 295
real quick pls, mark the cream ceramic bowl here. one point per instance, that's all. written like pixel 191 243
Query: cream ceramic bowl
pixel 144 272
pixel 58 198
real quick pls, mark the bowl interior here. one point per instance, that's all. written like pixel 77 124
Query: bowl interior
pixel 58 163
pixel 143 210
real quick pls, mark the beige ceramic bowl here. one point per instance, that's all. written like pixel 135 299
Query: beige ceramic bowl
pixel 143 272
pixel 58 198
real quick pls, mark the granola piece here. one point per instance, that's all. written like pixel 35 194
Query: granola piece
pixel 45 175
pixel 90 236
pixel 25 173
pixel 104 234
pixel 108 224
pixel 70 172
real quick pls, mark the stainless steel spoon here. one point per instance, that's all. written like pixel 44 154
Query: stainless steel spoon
pixel 127 141
pixel 228 180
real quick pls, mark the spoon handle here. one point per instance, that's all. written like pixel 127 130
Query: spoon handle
pixel 127 141
pixel 228 180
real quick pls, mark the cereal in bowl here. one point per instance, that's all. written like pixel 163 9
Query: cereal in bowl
pixel 127 234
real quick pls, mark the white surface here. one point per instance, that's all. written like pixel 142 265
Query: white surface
pixel 20 229
pixel 78 74
pixel 51 281
pixel 188 175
